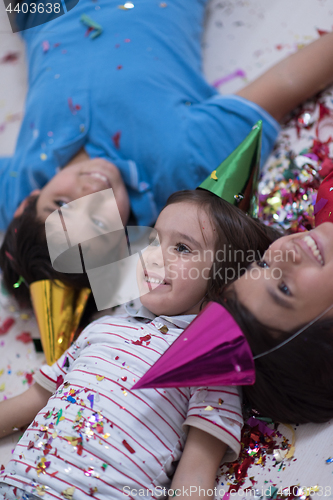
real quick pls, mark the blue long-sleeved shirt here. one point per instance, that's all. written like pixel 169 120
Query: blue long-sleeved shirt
pixel 134 95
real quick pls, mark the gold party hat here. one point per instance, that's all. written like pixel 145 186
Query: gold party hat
pixel 58 309
pixel 236 179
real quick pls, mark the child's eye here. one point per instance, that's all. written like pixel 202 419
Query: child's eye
pixel 262 263
pixel 284 289
pixel 60 203
pixel 98 223
pixel 181 248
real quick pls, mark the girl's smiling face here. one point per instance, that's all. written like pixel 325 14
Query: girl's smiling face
pixel 178 262
pixel 293 283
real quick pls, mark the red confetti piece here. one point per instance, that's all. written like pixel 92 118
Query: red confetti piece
pixel 88 31
pixel 47 449
pixel 54 473
pixel 119 67
pixel 116 141
pixel 124 379
pixel 60 381
pixel 10 257
pixel 99 428
pixel 29 377
pixel 322 32
pixel 128 446
pixel 24 337
pixel 30 445
pixel 10 57
pixel 6 325
pixel 145 338
pixel 72 107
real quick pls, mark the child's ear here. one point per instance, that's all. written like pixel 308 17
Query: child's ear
pixel 20 209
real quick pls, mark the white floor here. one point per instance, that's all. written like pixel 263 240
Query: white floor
pixel 243 37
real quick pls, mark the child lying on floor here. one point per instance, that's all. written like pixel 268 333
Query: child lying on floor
pixel 93 436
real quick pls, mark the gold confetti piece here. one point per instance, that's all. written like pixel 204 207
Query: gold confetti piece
pixel 209 408
pixel 164 329
pixel 68 493
pixel 107 435
pixel 40 490
pixel 99 377
pixel 311 490
pixel 24 316
pixel 213 175
pixel 2 387
pixel 291 451
pixel 43 156
pixel 73 440
pixel 54 435
pixel 1 371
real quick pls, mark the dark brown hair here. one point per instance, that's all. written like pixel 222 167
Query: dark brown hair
pixel 24 254
pixel 240 239
pixel 294 384
pixel 24 251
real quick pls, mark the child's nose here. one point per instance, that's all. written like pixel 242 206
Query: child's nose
pixel 290 253
pixel 156 256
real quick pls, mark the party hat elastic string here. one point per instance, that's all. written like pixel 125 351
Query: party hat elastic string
pixel 257 356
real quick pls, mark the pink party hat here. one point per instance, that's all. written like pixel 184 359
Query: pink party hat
pixel 212 351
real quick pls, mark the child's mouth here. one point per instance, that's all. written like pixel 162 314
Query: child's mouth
pixel 154 280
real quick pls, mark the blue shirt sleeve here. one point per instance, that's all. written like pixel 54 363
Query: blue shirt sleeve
pixel 218 125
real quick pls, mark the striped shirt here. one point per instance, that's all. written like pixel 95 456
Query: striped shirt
pixel 96 438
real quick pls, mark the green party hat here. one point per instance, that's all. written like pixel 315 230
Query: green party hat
pixel 236 179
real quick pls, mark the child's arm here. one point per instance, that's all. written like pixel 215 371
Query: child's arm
pixel 294 79
pixel 198 465
pixel 21 410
